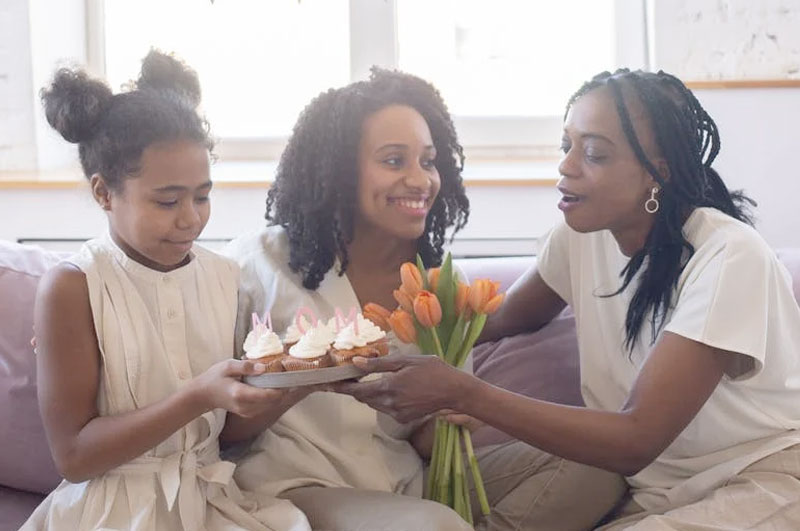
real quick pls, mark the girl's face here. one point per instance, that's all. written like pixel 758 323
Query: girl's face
pixel 159 212
pixel 603 184
pixel 397 181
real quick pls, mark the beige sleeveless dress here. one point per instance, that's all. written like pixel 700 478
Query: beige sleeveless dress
pixel 156 331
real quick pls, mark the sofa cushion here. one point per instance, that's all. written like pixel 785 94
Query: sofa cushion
pixel 25 461
pixel 543 364
pixel 504 270
pixel 15 507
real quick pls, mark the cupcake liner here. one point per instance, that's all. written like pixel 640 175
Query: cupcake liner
pixel 275 364
pixel 343 357
pixel 272 362
pixel 299 364
pixel 370 350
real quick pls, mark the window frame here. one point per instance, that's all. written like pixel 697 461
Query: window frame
pixel 373 41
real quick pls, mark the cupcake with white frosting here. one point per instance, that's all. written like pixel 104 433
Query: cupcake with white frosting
pixel 294 333
pixel 359 338
pixel 311 350
pixel 262 345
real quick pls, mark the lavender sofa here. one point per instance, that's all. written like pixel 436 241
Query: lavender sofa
pixel 543 364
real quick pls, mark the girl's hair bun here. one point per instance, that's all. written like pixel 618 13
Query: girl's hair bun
pixel 74 104
pixel 162 72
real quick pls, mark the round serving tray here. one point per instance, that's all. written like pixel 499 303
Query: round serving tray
pixel 277 380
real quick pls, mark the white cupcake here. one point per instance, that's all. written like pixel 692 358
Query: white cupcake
pixel 262 345
pixel 369 342
pixel 311 350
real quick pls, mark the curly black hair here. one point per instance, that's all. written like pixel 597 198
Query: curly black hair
pixel 314 193
pixel 113 130
pixel 689 141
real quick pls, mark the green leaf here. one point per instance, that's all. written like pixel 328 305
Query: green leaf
pixel 424 339
pixel 474 330
pixel 422 272
pixel 446 293
pixel 456 341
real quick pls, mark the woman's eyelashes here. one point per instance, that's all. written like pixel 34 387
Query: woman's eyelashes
pixel 167 204
pixel 594 157
pixel 397 162
pixel 589 152
pixel 394 161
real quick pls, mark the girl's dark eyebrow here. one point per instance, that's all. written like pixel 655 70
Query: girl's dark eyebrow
pixel 179 188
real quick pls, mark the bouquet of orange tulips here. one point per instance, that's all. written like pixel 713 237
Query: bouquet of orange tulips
pixel 443 316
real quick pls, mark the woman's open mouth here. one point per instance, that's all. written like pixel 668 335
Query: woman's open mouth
pixel 568 200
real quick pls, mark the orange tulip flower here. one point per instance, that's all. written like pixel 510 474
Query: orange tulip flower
pixel 462 294
pixel 378 315
pixel 494 303
pixel 427 309
pixel 411 279
pixel 480 293
pixel 433 278
pixel 405 300
pixel 403 326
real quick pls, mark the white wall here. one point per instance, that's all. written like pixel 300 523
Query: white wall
pixel 759 153
pixel 759 147
pixel 520 213
pixel 726 39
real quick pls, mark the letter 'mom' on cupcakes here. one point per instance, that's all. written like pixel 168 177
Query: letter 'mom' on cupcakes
pixel 262 344
pixel 310 343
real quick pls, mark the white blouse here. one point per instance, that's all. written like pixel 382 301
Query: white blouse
pixel 734 295
pixel 327 439
pixel 156 331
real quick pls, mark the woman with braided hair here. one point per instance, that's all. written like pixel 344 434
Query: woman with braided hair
pixel 688 330
pixel 371 176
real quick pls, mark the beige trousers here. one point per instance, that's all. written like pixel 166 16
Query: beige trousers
pixel 527 489
pixel 764 496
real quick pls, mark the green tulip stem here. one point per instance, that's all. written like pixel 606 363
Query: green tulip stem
pixel 480 490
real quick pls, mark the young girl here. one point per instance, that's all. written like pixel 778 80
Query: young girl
pixel 688 329
pixel 135 332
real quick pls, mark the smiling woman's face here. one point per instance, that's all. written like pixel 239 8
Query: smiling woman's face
pixel 397 181
pixel 603 184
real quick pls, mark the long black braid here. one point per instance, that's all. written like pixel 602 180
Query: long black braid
pixel 314 196
pixel 689 141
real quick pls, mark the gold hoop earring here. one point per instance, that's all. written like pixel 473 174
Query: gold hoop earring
pixel 652 205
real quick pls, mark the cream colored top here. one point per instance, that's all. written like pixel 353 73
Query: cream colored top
pixel 734 295
pixel 327 439
pixel 156 331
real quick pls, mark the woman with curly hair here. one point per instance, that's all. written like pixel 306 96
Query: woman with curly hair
pixel 371 177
